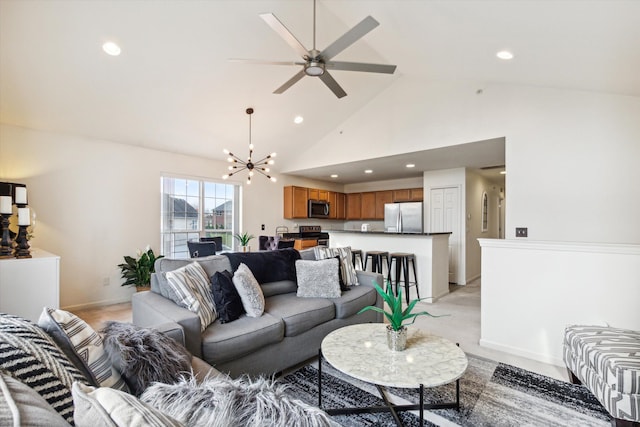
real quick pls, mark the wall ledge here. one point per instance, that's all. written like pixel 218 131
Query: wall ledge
pixel 557 246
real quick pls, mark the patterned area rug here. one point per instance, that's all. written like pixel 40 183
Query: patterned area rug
pixel 491 394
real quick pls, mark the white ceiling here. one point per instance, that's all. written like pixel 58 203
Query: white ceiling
pixel 174 88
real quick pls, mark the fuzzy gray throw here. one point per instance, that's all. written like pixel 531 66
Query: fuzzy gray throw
pixel 143 356
pixel 224 402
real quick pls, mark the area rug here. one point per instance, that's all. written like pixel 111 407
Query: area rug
pixel 491 394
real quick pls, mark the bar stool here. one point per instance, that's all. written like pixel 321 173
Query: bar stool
pixel 402 260
pixel 357 253
pixel 376 260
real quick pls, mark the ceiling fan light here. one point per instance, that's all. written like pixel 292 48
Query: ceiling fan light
pixel 314 68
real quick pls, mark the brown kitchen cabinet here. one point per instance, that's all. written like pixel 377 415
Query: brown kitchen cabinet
pixel 408 195
pixel 382 197
pixel 316 194
pixel 354 203
pixel 368 205
pixel 341 206
pixel 295 202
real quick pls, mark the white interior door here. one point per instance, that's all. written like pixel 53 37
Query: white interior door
pixel 444 215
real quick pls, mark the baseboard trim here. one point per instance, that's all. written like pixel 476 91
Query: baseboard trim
pixel 539 357
pixel 96 304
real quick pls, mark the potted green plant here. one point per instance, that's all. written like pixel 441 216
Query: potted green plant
pixel 137 271
pixel 398 318
pixel 244 240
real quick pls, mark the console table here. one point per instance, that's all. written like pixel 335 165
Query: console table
pixel 29 284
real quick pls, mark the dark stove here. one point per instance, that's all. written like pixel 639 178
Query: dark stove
pixel 310 232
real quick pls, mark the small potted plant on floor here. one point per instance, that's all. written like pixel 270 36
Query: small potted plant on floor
pixel 137 271
pixel 398 318
pixel 244 240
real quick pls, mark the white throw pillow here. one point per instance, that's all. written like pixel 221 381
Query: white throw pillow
pixel 103 406
pixel 191 285
pixel 249 290
pixel 318 279
pixel 349 275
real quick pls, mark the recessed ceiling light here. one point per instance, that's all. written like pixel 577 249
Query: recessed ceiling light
pixel 334 175
pixel 504 54
pixel 111 48
pixel 298 119
pixel 411 165
pixel 368 171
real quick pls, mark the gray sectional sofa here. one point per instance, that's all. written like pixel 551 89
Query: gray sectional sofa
pixel 289 332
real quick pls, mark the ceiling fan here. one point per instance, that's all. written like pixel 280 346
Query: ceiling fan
pixel 317 63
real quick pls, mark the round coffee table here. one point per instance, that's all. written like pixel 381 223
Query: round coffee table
pixel 361 352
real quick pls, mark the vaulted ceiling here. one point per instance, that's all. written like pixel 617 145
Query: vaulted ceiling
pixel 173 87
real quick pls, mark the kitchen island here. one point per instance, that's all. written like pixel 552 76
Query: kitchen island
pixel 431 251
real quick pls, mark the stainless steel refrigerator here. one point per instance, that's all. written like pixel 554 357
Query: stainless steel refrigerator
pixel 403 217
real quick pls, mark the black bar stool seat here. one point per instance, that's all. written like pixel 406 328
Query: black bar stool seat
pixel 376 260
pixel 403 259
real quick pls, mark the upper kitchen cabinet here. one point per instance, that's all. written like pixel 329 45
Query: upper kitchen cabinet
pixel 316 194
pixel 368 206
pixel 408 195
pixel 295 202
pixel 382 197
pixel 337 205
pixel 354 204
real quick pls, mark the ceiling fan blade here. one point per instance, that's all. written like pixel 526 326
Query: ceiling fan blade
pixel 332 84
pixel 350 37
pixel 290 82
pixel 262 61
pixel 279 28
pixel 361 66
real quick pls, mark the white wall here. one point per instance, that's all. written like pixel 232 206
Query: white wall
pixel 97 201
pixel 538 288
pixel 476 186
pixel 570 155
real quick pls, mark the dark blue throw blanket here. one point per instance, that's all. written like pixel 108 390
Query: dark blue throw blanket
pixel 267 266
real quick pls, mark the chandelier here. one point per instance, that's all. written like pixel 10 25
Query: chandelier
pixel 259 166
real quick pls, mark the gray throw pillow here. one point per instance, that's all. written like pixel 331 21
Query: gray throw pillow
pixel 21 405
pixel 318 279
pixel 249 290
pixel 191 287
pixel 144 355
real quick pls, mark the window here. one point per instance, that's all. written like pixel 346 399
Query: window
pixel 485 212
pixel 194 208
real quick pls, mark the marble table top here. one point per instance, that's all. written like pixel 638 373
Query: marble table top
pixel 361 351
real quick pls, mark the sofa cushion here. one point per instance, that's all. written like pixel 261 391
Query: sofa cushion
pixel 28 354
pixel 225 341
pixel 225 295
pixel 105 407
pixel 267 266
pixel 249 290
pixel 351 302
pixel 279 287
pixel 300 314
pixel 144 355
pixel 83 346
pixel 193 292
pixel 20 405
pixel 318 279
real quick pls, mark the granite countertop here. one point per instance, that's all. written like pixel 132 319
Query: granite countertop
pixel 385 233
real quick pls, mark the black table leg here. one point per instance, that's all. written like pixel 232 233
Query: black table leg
pixel 320 378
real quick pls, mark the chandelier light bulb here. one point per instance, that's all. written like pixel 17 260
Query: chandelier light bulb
pixel 273 179
pixel 251 147
pixel 266 169
pixel 272 155
pixel 225 176
pixel 270 162
pixel 225 151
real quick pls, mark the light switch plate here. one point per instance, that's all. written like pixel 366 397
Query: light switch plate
pixel 521 231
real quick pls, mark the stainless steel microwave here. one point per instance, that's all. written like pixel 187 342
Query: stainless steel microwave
pixel 318 209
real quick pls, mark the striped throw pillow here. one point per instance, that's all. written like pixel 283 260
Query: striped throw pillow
pixel 29 355
pixel 83 346
pixel 191 286
pixel 347 269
